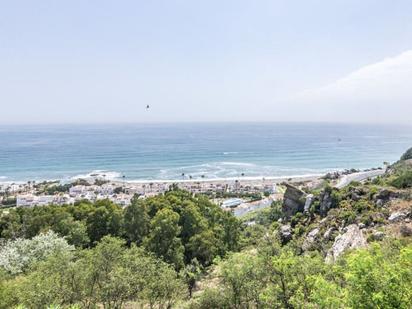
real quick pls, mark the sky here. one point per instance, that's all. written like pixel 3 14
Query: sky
pixel 205 61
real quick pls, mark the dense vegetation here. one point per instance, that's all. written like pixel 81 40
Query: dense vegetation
pixel 182 251
pixel 177 227
pixel 278 277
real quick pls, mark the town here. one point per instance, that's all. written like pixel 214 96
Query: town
pixel 240 196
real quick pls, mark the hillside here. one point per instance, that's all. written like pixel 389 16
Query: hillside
pixel 321 247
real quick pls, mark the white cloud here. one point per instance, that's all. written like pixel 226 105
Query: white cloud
pixel 379 92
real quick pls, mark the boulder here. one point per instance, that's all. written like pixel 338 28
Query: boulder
pixel 397 216
pixel 383 196
pixel 377 235
pixel 285 234
pixel 351 239
pixel 310 240
pixel 293 201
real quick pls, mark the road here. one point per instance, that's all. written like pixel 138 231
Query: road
pixel 360 176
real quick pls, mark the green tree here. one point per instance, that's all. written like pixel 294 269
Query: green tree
pixel 163 238
pixel 243 277
pixel 375 280
pixel 106 219
pixel 136 221
pixel 191 273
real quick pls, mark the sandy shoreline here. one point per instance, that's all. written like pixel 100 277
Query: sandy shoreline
pixel 270 179
pixel 248 180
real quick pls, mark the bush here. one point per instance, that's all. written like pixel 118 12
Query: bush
pixel 403 181
pixel 407 155
pixel 210 299
pixel 16 256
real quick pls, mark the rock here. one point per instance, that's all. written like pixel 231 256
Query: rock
pixel 285 234
pixel 397 216
pixel 332 176
pixel 378 235
pixel 380 202
pixel 326 202
pixel 293 201
pixel 308 202
pixel 355 197
pixel 329 232
pixel 383 196
pixel 362 225
pixel 310 239
pixel 405 231
pixel 352 238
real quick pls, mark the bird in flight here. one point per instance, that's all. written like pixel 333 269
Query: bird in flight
pixel 147 106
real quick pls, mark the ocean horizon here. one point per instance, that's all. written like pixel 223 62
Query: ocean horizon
pixel 194 151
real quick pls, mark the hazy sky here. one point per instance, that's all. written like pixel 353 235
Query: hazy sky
pixel 103 61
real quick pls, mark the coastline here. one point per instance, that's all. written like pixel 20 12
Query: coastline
pixel 243 179
pixel 345 178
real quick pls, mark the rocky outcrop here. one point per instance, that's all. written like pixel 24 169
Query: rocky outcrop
pixel 325 202
pixel 351 239
pixel 398 216
pixel 308 202
pixel 383 196
pixel 293 201
pixel 329 233
pixel 310 240
pixel 285 234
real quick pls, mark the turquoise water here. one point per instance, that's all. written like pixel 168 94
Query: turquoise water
pixel 212 150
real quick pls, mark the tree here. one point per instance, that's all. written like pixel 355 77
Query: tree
pixel 106 219
pixel 136 221
pixel 243 277
pixel 203 247
pixel 75 232
pixel 163 238
pixel 54 281
pixel 110 275
pixel 190 274
pixel 18 255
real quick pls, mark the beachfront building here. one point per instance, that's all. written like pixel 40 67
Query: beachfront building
pixel 30 200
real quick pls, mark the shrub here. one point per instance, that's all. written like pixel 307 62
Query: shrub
pixel 18 255
pixel 403 181
pixel 407 155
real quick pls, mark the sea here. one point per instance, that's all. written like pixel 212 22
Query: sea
pixel 194 150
